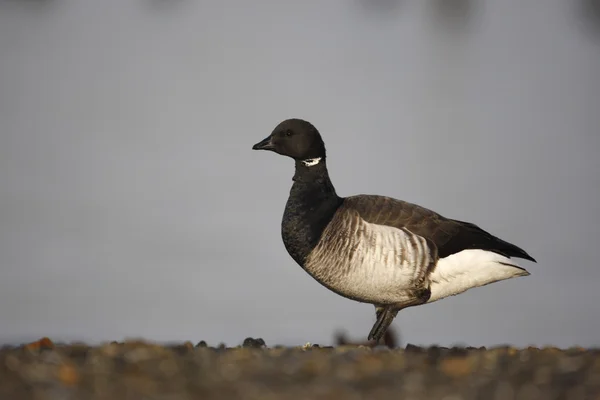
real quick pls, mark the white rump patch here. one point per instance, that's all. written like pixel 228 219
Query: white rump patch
pixel 311 161
pixel 468 269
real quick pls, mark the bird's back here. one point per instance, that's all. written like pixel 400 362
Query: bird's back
pixel 450 236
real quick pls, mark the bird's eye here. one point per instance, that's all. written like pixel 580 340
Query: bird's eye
pixel 288 133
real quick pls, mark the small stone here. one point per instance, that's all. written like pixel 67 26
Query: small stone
pixel 433 354
pixel 78 351
pixel 202 343
pixel 575 350
pixel 570 364
pixel 413 348
pixel 168 367
pixel 68 375
pixel 456 367
pixel 183 348
pixel 458 352
pixel 551 349
pixel 381 348
pixel 12 362
pixel 39 345
pixel 138 354
pixel 253 343
pixel 51 357
pixel 345 349
pixel 110 350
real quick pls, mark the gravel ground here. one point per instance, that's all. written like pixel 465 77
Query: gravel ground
pixel 141 370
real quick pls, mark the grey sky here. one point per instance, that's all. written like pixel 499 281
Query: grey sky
pixel 133 205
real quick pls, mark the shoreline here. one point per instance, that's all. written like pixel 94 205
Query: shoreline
pixel 140 369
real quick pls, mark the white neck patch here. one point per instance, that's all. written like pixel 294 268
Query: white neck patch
pixel 311 161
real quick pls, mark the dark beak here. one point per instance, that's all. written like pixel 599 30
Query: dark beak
pixel 264 144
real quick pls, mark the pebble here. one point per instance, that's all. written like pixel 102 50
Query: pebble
pixel 253 343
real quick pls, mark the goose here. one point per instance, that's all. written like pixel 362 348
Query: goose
pixel 376 249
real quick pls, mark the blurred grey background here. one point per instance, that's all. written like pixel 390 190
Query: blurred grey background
pixel 132 204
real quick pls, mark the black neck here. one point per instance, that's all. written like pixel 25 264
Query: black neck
pixel 315 173
pixel 310 207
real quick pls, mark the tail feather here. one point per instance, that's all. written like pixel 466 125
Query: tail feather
pixel 480 239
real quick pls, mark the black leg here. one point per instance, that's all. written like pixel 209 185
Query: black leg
pixel 384 320
pixel 379 314
pixel 378 311
pixel 385 315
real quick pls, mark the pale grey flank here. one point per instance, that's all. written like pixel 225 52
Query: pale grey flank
pixel 131 203
pixel 376 264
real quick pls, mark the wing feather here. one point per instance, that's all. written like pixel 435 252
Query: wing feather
pixel 448 235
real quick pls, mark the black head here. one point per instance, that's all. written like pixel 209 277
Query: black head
pixel 294 138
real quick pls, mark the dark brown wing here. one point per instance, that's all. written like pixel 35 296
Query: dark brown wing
pixel 450 236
